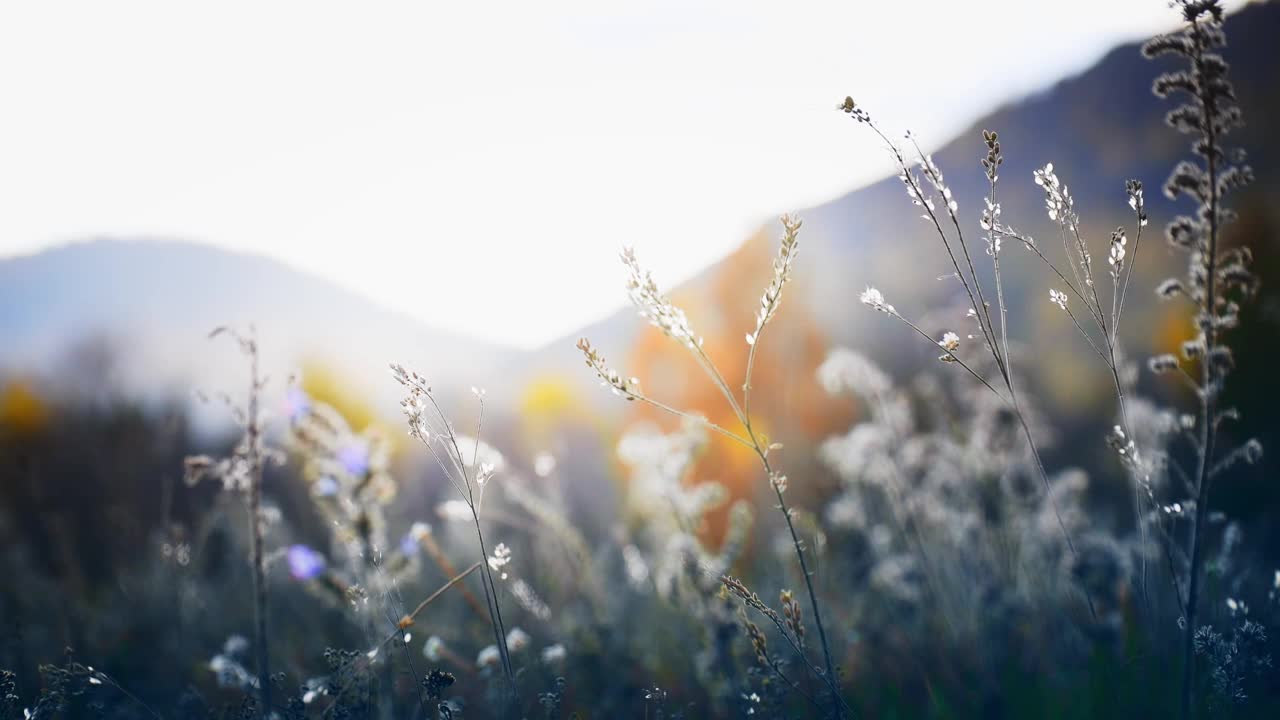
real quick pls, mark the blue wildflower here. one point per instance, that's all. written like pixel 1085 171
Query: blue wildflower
pixel 304 563
pixel 355 459
pixel 297 403
pixel 326 486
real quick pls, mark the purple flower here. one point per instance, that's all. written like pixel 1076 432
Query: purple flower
pixel 296 404
pixel 304 563
pixel 326 486
pixel 355 459
pixel 409 545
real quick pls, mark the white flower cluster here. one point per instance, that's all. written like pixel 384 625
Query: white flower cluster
pixel 1058 298
pixel 912 184
pixel 874 299
pixel 415 406
pixel 950 342
pixel 934 176
pixel 500 558
pixel 1057 199
pixel 848 370
pixel 991 222
pixel 1116 255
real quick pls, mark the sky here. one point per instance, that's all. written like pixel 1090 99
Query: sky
pixel 479 165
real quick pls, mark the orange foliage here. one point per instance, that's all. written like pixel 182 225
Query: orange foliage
pixel 787 403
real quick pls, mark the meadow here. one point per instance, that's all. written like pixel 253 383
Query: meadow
pixel 951 548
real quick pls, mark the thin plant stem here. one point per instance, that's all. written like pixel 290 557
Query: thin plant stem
pixel 1208 393
pixel 408 620
pixel 253 435
pixel 763 454
pixel 955 263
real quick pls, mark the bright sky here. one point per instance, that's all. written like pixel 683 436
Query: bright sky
pixel 478 164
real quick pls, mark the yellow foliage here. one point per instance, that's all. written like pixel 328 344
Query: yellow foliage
pixel 321 383
pixel 21 408
pixel 549 398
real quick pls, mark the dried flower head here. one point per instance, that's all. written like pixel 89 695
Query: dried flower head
pixel 772 296
pixel 1057 199
pixel 874 299
pixel 1163 363
pixel 1058 298
pixel 517 640
pixel 850 108
pixel 949 342
pixel 1134 189
pixel 628 388
pixel 653 305
pixel 1115 257
pixel 490 656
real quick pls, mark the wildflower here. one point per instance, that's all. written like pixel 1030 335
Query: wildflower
pixel 500 558
pixel 1193 349
pixel 413 539
pixel 934 175
pixel 1169 288
pixel 653 305
pixel 433 649
pixel 455 510
pixel 850 108
pixel 325 486
pixel 990 221
pixel 235 645
pixel 354 458
pixel 772 296
pixel 994 159
pixel 913 192
pixel 528 599
pixel 950 342
pixel 304 563
pixel 1058 201
pixel 874 299
pixel 1252 451
pixel 517 640
pixel 847 370
pixel 488 657
pixel 1058 298
pixel 1134 190
pixel 758 643
pixel 554 654
pixel 1116 255
pixel 629 389
pixel 436 682
pixel 794 615
pixel 544 464
pixel 296 404
pixel 1163 363
pixel 635 566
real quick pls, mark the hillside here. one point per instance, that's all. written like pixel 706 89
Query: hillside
pixel 873 236
pixel 150 305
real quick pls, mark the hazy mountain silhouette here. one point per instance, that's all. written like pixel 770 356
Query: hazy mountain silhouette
pixel 1099 128
pixel 153 303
